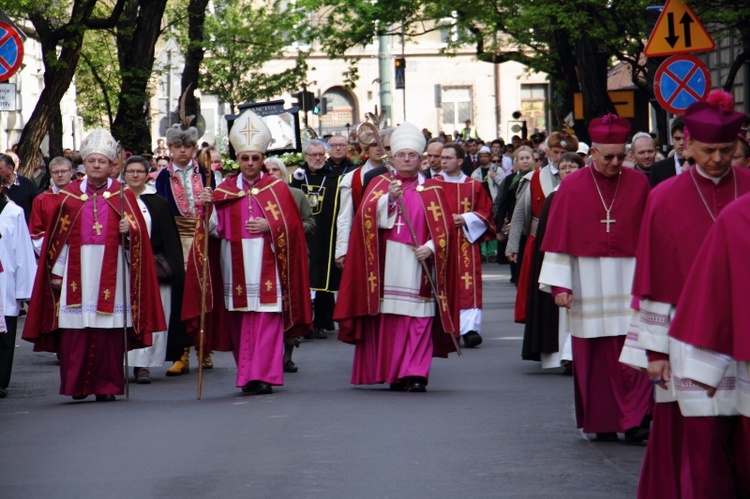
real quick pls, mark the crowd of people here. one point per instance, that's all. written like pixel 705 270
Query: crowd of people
pixel 383 234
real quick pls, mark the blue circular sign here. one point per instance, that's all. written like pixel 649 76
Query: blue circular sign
pixel 681 81
pixel 11 51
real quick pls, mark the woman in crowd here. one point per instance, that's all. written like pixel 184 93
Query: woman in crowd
pixel 546 335
pixel 505 203
pixel 277 168
pixel 165 243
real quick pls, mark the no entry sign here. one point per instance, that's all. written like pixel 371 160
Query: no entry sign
pixel 11 51
pixel 680 81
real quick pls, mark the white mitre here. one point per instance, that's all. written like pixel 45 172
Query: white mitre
pixel 407 136
pixel 99 142
pixel 250 133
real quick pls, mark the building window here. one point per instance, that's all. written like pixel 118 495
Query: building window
pixel 534 106
pixel 455 107
pixel 341 111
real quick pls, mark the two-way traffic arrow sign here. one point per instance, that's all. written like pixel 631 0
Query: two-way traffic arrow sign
pixel 668 39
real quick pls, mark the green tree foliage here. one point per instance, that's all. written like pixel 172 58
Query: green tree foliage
pixel 60 28
pixel 239 37
pixel 574 42
pixel 98 80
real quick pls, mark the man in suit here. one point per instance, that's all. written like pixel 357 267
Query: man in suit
pixel 471 161
pixel 676 164
pixel 434 150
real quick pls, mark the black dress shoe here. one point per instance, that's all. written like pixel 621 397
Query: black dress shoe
pixel 330 326
pixel 257 388
pixel 290 367
pixel 397 387
pixel 637 435
pixel 417 385
pixel 105 398
pixel 79 397
pixel 606 437
pixel 472 339
pixel 319 334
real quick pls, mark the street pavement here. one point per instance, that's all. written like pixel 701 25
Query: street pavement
pixel 489 425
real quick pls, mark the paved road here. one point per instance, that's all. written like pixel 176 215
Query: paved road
pixel 490 425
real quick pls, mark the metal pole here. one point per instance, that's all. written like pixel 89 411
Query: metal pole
pixel 384 68
pixel 403 56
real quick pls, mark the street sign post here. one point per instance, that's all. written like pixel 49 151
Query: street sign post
pixel 678 31
pixel 680 81
pixel 11 51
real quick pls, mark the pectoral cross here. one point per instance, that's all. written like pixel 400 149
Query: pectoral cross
pixel 435 209
pixel 64 223
pixel 97 227
pixel 398 224
pixel 608 221
pixel 106 294
pixel 467 280
pixel 271 207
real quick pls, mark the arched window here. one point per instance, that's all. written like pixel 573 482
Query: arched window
pixel 341 107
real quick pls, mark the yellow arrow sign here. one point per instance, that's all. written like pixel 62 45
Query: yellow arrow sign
pixel 678 31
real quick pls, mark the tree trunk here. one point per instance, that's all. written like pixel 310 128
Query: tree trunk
pixel 592 75
pixel 137 34
pixel 58 73
pixel 194 55
pixel 56 131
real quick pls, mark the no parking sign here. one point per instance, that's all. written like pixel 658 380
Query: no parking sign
pixel 11 51
pixel 680 81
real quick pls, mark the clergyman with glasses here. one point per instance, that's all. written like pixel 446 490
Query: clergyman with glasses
pixel 588 267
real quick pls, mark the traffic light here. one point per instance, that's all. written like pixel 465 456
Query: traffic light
pixel 323 106
pixel 316 106
pixel 400 67
pixel 305 100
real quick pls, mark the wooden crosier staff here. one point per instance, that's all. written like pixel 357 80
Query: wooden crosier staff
pixel 204 278
pixel 125 297
pixel 368 135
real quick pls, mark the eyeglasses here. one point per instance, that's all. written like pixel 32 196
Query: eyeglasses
pixel 496 161
pixel 316 155
pixel 246 157
pixel 411 156
pixel 567 167
pixel 537 160
pixel 607 158
pixel 135 172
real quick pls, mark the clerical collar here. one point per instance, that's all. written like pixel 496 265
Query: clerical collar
pixel 555 170
pixel 242 182
pixel 84 185
pixel 407 180
pixel 715 180
pixel 455 180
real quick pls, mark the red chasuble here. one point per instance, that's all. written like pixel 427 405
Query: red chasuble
pixel 576 218
pixel 467 197
pixel 674 226
pixel 712 310
pixel 65 228
pixel 362 277
pixel 42 210
pixel 284 245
